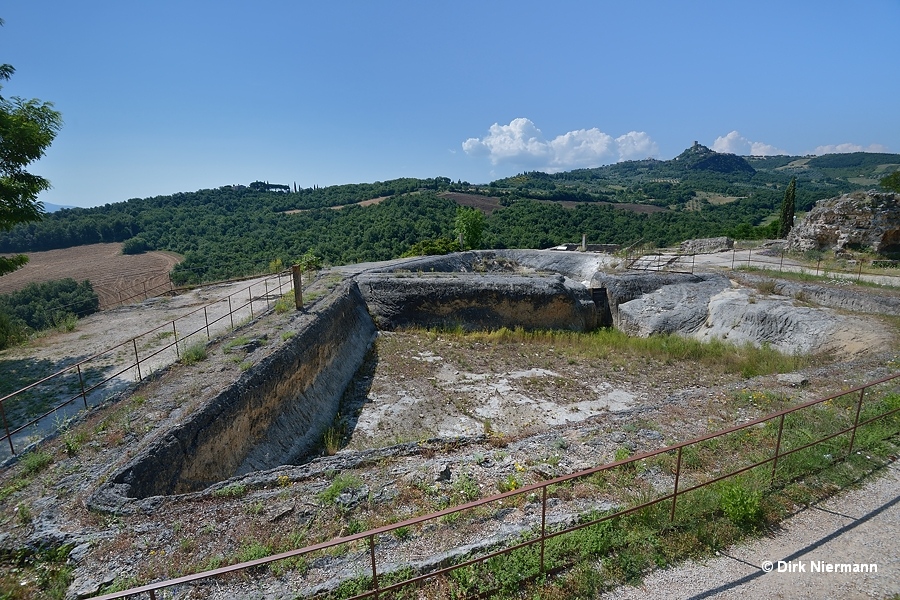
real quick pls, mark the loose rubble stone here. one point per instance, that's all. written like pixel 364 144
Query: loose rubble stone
pixel 793 379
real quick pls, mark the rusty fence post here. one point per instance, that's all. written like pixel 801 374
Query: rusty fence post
pixel 81 381
pixel 6 428
pixel 733 254
pixel 266 281
pixel 859 273
pixel 856 421
pixel 137 360
pixel 677 477
pixel 250 295
pixel 543 525
pixel 175 333
pixel 374 569
pixel 781 264
pixel 777 449
pixel 298 286
pixel 230 312
pixel 206 318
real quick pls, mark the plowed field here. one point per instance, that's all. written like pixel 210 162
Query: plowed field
pixel 116 277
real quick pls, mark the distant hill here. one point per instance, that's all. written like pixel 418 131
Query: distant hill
pixel 52 208
pixel 236 230
pixel 700 158
pixel 699 177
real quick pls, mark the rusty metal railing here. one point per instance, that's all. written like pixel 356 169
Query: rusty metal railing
pixel 374 538
pixel 674 262
pixel 86 387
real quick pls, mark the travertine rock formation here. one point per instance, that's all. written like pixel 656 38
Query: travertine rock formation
pixel 859 220
pixel 706 245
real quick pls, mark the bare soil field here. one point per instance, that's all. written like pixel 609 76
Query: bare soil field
pixel 116 277
pixel 371 202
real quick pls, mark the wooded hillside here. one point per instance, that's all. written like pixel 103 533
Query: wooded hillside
pixel 236 229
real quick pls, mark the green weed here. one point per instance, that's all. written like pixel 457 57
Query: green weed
pixel 339 485
pixel 741 505
pixel 231 491
pixel 35 461
pixel 193 354
pixel 285 303
pixel 231 344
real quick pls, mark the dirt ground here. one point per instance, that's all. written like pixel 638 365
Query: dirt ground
pixel 117 278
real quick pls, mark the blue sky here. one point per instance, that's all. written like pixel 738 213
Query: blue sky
pixel 161 97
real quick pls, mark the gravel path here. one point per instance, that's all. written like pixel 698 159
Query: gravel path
pixel 856 527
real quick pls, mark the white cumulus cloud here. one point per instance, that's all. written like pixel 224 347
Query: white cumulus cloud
pixel 848 147
pixel 735 143
pixel 522 143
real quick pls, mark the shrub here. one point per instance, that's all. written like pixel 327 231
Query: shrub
pixel 338 486
pixel 766 286
pixel 285 303
pixel 136 245
pixel 331 440
pixel 253 551
pixel 36 461
pixel 231 491
pixel 12 331
pixel 741 506
pixel 466 488
pixel 509 483
pixel 193 354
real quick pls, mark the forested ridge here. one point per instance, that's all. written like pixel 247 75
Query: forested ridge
pixel 235 229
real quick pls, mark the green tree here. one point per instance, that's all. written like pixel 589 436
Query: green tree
pixel 309 261
pixel 27 127
pixel 470 225
pixel 891 182
pixel 787 209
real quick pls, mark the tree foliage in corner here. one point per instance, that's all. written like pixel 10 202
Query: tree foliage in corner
pixel 27 127
pixel 786 222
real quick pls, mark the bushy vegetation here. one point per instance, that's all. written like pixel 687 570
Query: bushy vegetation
pixel 40 306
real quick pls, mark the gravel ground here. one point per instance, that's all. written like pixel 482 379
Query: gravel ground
pixel 856 527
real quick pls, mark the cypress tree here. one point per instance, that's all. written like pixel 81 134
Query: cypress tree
pixel 787 209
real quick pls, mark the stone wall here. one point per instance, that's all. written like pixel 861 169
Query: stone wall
pixel 477 301
pixel 273 415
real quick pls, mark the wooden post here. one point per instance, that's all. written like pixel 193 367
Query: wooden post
pixel 298 286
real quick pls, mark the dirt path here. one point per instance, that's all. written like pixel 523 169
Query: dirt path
pixel 856 527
